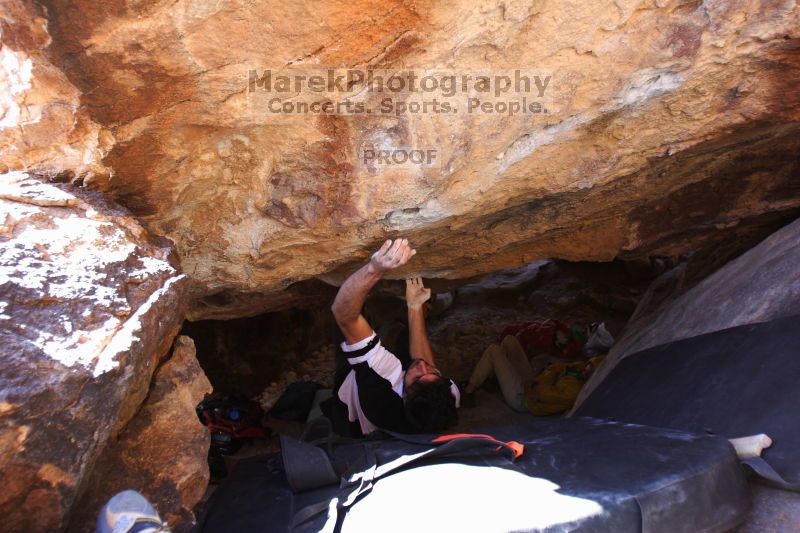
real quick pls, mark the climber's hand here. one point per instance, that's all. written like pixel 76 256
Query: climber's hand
pixel 391 255
pixel 416 293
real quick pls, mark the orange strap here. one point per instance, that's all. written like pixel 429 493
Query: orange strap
pixel 517 448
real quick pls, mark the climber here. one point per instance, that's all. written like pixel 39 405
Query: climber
pixel 373 388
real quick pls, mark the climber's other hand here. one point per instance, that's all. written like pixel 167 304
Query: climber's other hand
pixel 416 293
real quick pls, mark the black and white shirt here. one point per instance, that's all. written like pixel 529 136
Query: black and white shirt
pixel 368 389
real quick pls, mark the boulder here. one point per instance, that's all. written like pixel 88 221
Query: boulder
pixel 89 304
pixel 162 451
pixel 665 124
pixel 43 125
pixel 760 285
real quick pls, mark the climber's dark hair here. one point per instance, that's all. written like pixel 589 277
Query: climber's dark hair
pixel 430 406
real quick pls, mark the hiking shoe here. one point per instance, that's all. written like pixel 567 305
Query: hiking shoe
pixel 129 512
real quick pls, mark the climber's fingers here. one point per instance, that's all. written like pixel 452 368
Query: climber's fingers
pixel 393 252
pixel 380 253
pixel 407 252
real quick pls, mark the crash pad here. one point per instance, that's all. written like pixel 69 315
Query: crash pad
pixel 735 382
pixel 575 475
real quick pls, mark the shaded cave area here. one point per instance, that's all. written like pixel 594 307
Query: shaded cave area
pixel 257 357
pixel 240 355
pixel 247 355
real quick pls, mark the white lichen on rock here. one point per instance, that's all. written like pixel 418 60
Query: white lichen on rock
pixel 75 261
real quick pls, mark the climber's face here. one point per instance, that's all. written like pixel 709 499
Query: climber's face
pixel 420 371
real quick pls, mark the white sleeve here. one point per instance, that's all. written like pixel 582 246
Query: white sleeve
pixel 358 346
pixel 379 359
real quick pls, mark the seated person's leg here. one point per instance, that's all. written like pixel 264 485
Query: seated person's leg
pixel 517 356
pixel 512 383
pixel 495 362
pixel 483 370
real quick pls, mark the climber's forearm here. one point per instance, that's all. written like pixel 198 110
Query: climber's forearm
pixel 353 292
pixel 349 301
pixel 418 344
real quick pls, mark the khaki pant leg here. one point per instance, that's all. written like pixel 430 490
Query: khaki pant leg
pixel 517 356
pixel 485 367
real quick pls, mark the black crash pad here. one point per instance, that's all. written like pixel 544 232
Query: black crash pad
pixel 735 382
pixel 579 474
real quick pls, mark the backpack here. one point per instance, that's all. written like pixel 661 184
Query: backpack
pixel 232 420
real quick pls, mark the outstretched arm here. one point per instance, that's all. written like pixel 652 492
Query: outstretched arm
pixel 353 292
pixel 419 346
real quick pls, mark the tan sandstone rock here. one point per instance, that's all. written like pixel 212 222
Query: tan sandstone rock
pixel 670 122
pixel 89 303
pixel 162 451
pixel 43 126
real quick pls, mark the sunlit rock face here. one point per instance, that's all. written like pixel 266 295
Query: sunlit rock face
pixel 668 123
pixel 89 304
pixel 43 125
